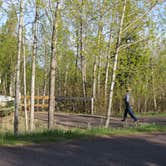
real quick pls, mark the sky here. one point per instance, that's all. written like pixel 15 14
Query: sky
pixel 158 14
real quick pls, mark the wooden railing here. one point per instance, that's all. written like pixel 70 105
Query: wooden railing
pixel 42 101
pixel 37 104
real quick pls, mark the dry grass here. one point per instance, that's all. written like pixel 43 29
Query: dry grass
pixel 7 123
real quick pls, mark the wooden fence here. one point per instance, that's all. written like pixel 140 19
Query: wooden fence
pixel 41 102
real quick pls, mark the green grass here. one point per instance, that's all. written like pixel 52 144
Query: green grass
pixel 37 137
pixel 46 136
pixel 152 114
pixel 145 114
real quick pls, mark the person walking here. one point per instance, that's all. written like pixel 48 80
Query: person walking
pixel 128 106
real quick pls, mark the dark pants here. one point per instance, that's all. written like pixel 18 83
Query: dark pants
pixel 129 111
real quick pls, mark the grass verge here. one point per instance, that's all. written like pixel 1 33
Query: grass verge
pixel 45 136
pixel 152 114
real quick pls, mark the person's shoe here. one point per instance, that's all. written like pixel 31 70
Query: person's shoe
pixel 136 122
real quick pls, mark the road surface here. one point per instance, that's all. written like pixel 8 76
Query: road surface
pixel 85 121
pixel 138 150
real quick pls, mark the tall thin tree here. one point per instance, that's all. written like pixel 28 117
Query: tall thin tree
pixel 24 81
pixel 17 89
pixel 53 66
pixel 118 42
pixel 34 67
pixel 83 61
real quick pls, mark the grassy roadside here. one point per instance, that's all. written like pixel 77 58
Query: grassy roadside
pixel 152 114
pixel 145 115
pixel 45 136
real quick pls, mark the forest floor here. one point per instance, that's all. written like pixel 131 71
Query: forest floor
pixel 133 150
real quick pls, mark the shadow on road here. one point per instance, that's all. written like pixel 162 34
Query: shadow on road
pixel 144 150
pixel 86 121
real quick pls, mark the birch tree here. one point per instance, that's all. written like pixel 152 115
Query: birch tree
pixel 107 71
pixel 53 66
pixel 134 25
pixel 17 89
pixel 97 58
pixel 24 82
pixel 82 57
pixel 115 64
pixel 34 54
pixel 45 82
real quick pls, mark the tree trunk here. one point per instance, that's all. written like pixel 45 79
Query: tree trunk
pixel 106 81
pixel 94 83
pixel 44 94
pixel 83 61
pixel 115 66
pixel 24 82
pixel 17 89
pixel 107 71
pixel 65 83
pixel 97 60
pixel 153 91
pixel 12 86
pixel 53 70
pixel 33 70
pixel 77 53
pixel 99 75
pixel 45 76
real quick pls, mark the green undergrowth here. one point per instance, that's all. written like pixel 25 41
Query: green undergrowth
pixel 45 136
pixel 144 128
pixel 145 114
pixel 152 114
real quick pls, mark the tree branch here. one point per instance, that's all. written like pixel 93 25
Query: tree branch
pixel 139 18
pixel 130 44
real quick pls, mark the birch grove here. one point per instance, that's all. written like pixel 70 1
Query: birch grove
pixel 83 52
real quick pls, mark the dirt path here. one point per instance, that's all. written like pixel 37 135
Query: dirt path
pixel 145 150
pixel 85 121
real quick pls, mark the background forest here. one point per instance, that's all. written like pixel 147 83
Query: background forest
pixel 97 48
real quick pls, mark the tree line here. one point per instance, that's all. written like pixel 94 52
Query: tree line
pixel 83 48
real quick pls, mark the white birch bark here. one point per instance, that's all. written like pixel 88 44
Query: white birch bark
pixel 24 84
pixel 115 66
pixel 83 60
pixel 107 71
pixel 97 60
pixel 53 70
pixel 99 74
pixel 106 80
pixel 45 75
pixel 153 87
pixel 17 88
pixel 33 70
pixel 65 83
pixel 94 82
